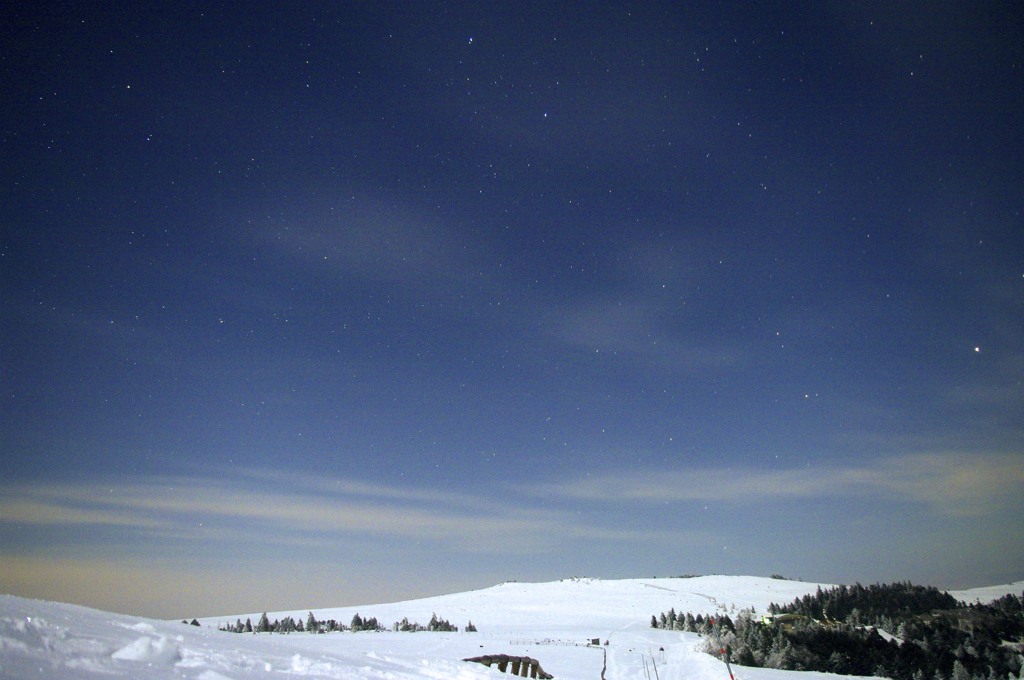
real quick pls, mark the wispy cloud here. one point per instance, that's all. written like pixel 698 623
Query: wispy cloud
pixel 636 330
pixel 955 484
pixel 366 237
pixel 289 508
pixel 34 507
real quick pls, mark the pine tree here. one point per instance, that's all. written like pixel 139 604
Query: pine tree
pixel 959 672
pixel 264 625
pixel 781 653
pixel 312 625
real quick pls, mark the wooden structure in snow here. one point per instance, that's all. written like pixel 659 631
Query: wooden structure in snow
pixel 521 666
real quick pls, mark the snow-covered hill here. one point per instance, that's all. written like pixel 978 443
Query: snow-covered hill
pixel 550 622
pixel 594 605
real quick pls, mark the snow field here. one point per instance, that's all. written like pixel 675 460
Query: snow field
pixel 551 622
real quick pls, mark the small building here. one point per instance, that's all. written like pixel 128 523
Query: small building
pixel 783 619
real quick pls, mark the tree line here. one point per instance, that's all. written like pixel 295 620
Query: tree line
pixel 899 631
pixel 358 623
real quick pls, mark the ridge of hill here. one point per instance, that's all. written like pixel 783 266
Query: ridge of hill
pixel 594 602
pixel 570 603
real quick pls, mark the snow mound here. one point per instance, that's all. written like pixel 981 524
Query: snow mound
pixel 151 650
pixel 305 666
pixel 212 675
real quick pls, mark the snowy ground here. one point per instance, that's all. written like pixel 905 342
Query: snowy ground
pixel 551 622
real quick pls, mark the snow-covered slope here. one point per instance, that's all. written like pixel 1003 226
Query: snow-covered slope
pixel 586 604
pixel 550 622
pixel 988 593
pixel 65 642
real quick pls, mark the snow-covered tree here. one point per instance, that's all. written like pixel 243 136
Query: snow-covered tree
pixel 959 672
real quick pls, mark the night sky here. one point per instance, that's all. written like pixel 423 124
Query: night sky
pixel 340 303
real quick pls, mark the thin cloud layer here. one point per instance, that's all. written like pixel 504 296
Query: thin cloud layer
pixel 198 508
pixel 953 484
